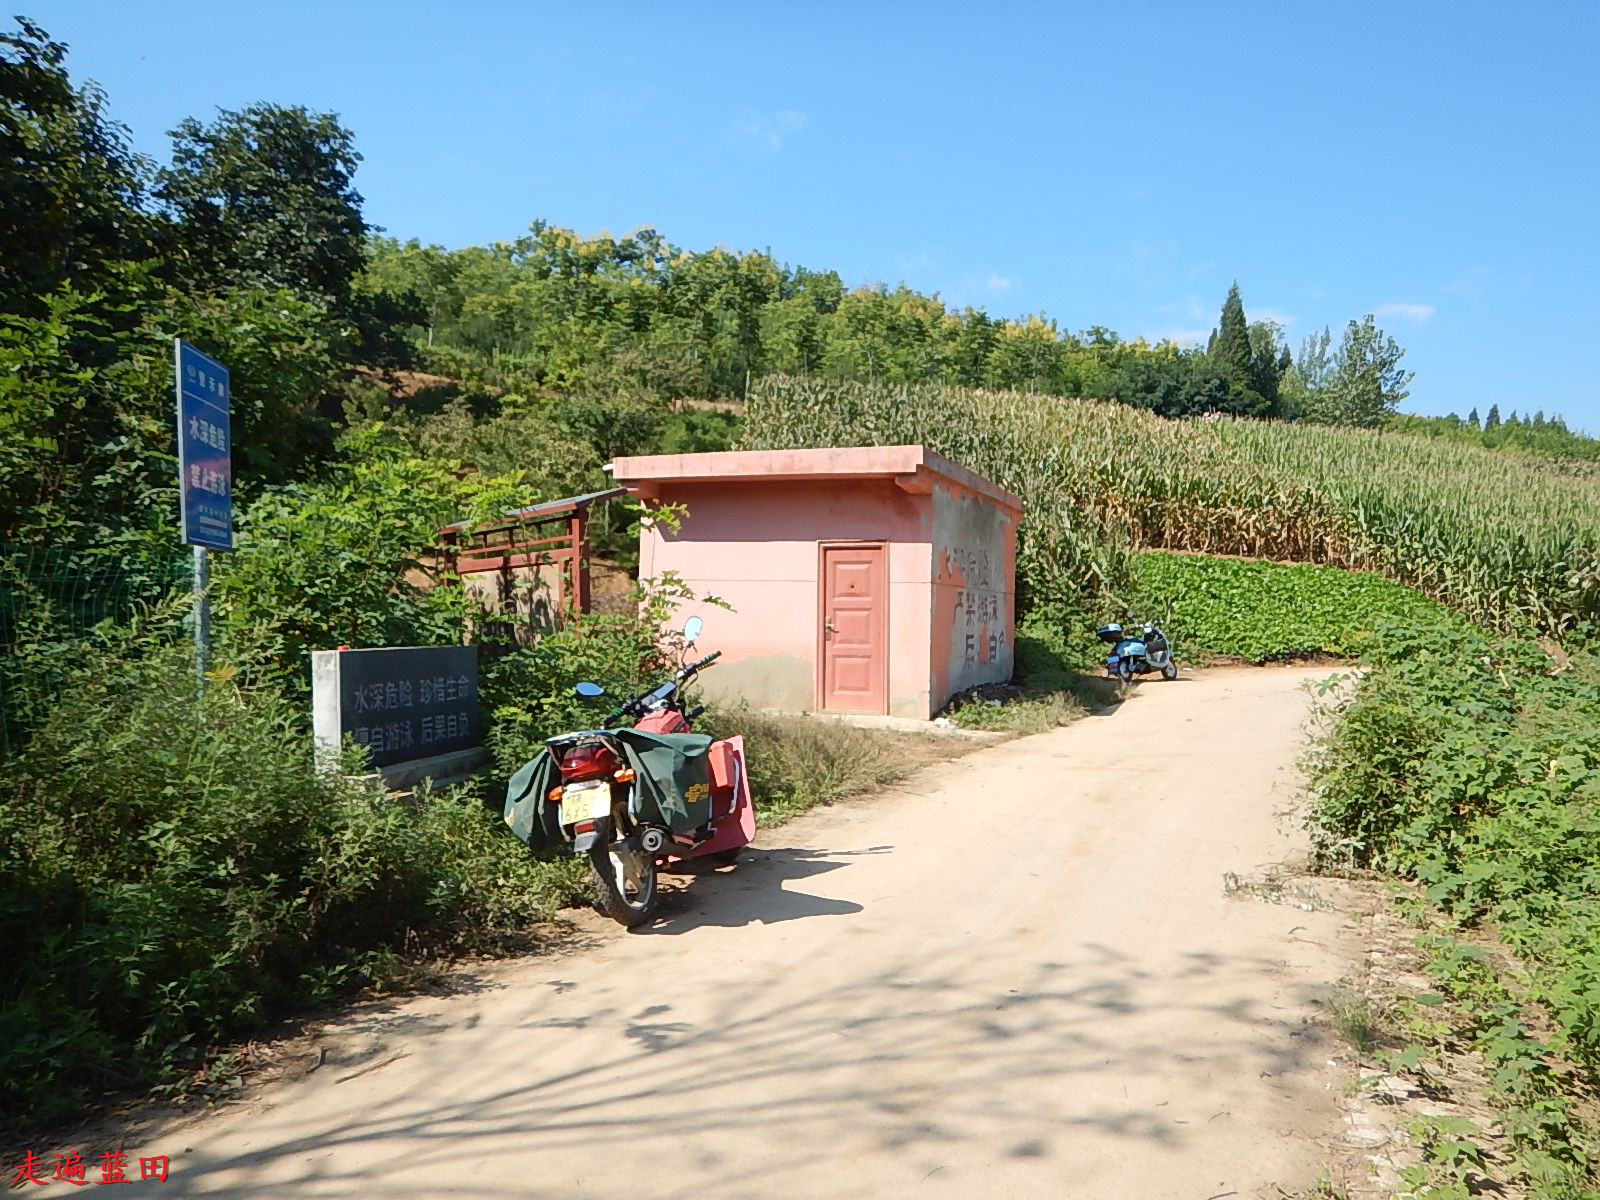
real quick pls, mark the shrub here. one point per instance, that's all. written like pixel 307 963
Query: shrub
pixel 1473 767
pixel 171 873
pixel 340 561
pixel 529 692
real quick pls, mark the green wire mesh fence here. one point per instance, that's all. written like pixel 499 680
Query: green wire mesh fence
pixel 51 595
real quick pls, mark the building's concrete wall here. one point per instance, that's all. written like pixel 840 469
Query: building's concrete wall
pixel 755 545
pixel 974 591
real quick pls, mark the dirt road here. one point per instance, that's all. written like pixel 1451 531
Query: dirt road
pixel 1019 976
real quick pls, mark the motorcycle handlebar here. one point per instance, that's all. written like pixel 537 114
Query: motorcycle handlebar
pixel 704 662
pixel 631 707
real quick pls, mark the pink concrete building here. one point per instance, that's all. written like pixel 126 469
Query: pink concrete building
pixel 870 580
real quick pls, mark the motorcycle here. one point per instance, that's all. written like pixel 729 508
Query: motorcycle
pixel 636 799
pixel 1136 654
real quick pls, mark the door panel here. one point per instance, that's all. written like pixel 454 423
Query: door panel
pixel 855 604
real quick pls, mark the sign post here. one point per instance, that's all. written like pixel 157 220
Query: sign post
pixel 205 474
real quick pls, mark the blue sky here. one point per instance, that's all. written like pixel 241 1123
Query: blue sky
pixel 1434 163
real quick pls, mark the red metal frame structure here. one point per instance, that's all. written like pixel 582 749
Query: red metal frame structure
pixel 525 538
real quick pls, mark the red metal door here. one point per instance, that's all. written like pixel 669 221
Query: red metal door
pixel 854 611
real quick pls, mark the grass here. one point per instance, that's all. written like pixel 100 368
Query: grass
pixel 1025 714
pixel 1355 1017
pixel 1322 1188
pixel 799 762
pixel 1049 690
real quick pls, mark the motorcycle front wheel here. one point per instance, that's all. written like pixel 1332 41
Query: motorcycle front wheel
pixel 624 880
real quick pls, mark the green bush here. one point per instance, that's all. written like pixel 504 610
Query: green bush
pixel 1049 654
pixel 1054 645
pixel 529 692
pixel 172 873
pixel 1266 610
pixel 1473 767
pixel 341 561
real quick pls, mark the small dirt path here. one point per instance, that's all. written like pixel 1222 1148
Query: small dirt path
pixel 1017 976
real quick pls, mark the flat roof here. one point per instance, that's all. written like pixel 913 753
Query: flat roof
pixel 844 462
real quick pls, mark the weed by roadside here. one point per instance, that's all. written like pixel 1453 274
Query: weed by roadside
pixel 1357 1017
pixel 1049 689
pixel 1455 1074
pixel 798 762
pixel 1472 766
pixel 1322 1188
pixel 1024 714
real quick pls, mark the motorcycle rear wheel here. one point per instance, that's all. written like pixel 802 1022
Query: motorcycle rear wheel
pixel 1125 672
pixel 1170 671
pixel 624 882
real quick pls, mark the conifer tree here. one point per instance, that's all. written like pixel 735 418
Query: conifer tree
pixel 1472 419
pixel 1230 344
pixel 1231 353
pixel 1492 421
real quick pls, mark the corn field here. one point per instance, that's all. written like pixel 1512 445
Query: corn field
pixel 1502 538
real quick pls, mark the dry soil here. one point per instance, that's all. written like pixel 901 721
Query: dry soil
pixel 1020 975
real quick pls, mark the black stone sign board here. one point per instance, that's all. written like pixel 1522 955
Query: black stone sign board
pixel 403 703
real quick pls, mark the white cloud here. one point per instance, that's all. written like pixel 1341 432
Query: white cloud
pixel 997 283
pixel 768 130
pixel 1184 337
pixel 1274 315
pixel 1412 312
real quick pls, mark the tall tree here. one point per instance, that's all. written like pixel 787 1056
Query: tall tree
pixel 1229 348
pixel 71 187
pixel 1269 359
pixel 1472 419
pixel 264 199
pixel 1365 383
pixel 1492 421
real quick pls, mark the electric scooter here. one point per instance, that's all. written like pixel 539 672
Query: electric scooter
pixel 1136 654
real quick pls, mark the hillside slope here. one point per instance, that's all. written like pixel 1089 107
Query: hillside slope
pixel 1504 539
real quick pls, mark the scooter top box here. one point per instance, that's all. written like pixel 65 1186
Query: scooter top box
pixel 1111 634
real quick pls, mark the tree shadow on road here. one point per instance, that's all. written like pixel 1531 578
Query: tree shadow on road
pixel 914 1064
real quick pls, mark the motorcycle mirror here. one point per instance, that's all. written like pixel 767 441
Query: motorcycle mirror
pixel 590 690
pixel 691 630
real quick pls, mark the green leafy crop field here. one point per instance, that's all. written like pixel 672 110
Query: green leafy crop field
pixel 1266 610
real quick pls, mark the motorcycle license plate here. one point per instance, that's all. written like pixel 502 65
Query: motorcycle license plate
pixel 585 802
pixel 1113 660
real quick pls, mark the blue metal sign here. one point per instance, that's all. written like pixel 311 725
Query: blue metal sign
pixel 205 463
